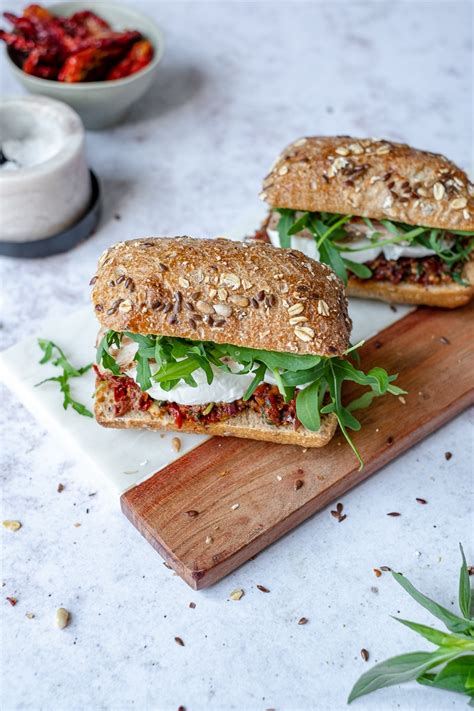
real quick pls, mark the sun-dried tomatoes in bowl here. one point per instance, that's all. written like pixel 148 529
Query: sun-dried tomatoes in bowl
pixel 99 58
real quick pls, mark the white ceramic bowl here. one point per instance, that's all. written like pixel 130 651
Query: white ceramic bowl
pixel 101 103
pixel 47 186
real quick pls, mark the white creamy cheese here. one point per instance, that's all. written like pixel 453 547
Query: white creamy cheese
pixel 225 387
pixel 307 245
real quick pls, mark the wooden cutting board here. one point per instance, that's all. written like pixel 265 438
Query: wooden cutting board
pixel 223 502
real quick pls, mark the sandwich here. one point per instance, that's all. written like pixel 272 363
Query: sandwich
pixel 225 338
pixel 395 223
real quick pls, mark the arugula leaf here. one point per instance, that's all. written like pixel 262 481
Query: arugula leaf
pixel 330 255
pixel 307 407
pixel 464 587
pixel 448 618
pixel 259 375
pixel 360 270
pixel 69 371
pixel 103 356
pixel 284 224
pixel 300 224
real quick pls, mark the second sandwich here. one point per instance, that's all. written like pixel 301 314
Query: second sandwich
pixel 394 222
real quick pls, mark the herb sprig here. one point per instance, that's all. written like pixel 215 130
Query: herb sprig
pixel 450 666
pixel 177 359
pixel 54 354
pixel 329 234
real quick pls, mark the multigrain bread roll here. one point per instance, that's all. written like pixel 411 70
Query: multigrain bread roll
pixel 383 182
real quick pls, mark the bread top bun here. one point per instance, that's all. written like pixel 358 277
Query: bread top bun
pixel 217 290
pixel 371 178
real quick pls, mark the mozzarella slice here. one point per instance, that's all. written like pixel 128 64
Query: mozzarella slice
pixel 367 253
pixel 226 387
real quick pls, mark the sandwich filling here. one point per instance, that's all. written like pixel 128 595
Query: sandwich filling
pixel 208 382
pixel 372 249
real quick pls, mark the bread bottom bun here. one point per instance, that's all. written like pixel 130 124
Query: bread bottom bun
pixel 447 296
pixel 246 424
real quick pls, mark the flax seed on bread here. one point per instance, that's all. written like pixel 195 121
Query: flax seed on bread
pixel 371 178
pixel 250 295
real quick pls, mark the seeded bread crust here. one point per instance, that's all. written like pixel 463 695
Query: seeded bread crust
pixel 446 296
pixel 247 424
pixel 371 178
pixel 217 290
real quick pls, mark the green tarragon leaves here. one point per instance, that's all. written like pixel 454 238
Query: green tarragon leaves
pixel 319 379
pixel 54 354
pixel 328 232
pixel 450 666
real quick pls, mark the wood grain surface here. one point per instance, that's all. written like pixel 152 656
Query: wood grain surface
pixel 226 500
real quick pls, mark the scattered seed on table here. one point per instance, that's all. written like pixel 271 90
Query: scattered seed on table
pixel 12 601
pixel 385 568
pixel 12 525
pixel 192 605
pixel 30 615
pixel 234 507
pixel 179 641
pixel 62 618
pixel 377 572
pixel 176 444
pixel 364 654
pixel 302 620
pixel 448 455
pixel 209 539
pixel 339 507
pixel 167 565
pixel 374 589
pixel 390 441
pixel 394 513
pixel 298 484
pixel 60 488
pixel 192 513
pixel 470 569
pixel 262 588
pixel 237 594
pixel 421 501
pixel 342 518
pixel 181 708
pixel 445 341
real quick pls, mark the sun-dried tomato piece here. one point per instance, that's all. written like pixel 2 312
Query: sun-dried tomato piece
pixel 38 11
pixel 88 65
pixel 137 57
